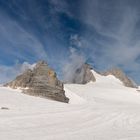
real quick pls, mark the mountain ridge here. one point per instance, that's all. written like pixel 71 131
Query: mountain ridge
pixel 84 75
pixel 41 81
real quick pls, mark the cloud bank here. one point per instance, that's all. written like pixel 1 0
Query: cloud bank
pixel 8 73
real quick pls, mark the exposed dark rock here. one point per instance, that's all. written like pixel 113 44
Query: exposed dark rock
pixel 121 76
pixel 83 75
pixel 4 108
pixel 41 81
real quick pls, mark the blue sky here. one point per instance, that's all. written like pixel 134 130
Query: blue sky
pixel 67 33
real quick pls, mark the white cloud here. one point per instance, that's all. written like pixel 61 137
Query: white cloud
pixel 75 61
pixel 8 73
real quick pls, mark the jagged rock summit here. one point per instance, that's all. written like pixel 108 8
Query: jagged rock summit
pixel 84 75
pixel 41 81
pixel 119 74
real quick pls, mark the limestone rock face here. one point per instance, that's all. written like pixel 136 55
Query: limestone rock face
pixel 122 77
pixel 83 75
pixel 41 81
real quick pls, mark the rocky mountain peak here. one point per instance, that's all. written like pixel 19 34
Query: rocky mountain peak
pixel 83 75
pixel 41 81
pixel 118 73
pixel 41 63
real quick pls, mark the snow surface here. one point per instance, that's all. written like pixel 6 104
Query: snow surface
pixel 104 110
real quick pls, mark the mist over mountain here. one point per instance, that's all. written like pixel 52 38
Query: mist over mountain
pixel 85 73
pixel 104 34
pixel 69 69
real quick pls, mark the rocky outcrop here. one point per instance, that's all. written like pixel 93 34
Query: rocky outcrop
pixel 41 81
pixel 121 76
pixel 83 75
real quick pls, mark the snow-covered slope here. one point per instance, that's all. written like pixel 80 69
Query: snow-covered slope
pixel 103 110
pixel 109 80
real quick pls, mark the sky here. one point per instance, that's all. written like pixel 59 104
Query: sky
pixel 68 33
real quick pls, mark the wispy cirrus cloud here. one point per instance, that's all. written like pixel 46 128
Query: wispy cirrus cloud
pixel 102 33
pixel 17 42
pixel 115 37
